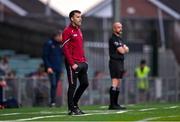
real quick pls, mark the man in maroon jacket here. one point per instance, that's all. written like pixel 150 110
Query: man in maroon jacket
pixel 75 61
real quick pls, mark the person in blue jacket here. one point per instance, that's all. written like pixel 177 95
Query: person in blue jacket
pixel 53 57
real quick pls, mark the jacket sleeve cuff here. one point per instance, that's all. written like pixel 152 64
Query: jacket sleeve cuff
pixel 71 62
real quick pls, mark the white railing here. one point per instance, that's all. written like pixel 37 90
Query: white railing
pixel 35 91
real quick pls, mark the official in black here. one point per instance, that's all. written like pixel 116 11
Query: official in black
pixel 117 49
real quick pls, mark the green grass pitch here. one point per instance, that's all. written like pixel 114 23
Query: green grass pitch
pixel 136 112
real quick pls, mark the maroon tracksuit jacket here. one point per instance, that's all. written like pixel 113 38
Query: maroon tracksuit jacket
pixel 73 45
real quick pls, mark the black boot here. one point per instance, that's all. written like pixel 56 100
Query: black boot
pixel 116 98
pixel 116 101
pixel 112 105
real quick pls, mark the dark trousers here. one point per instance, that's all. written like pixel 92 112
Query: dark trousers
pixel 81 74
pixel 54 78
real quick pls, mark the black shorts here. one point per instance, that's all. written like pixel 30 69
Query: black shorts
pixel 116 68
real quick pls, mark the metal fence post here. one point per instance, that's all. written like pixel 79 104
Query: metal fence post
pixel 158 87
pixel 19 94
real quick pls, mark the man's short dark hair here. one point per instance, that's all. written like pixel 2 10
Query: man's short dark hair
pixel 55 33
pixel 143 61
pixel 71 14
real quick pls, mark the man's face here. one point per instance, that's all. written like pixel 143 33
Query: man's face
pixel 118 28
pixel 76 19
pixel 142 65
pixel 58 38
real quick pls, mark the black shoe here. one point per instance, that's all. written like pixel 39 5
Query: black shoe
pixel 116 107
pixel 74 112
pixel 121 107
pixel 52 105
pixel 113 107
pixel 79 110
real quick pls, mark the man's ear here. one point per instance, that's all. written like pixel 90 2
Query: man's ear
pixel 72 19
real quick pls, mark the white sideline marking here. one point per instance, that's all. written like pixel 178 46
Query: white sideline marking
pixel 148 119
pixel 95 111
pixel 171 107
pixel 107 111
pixel 148 109
pixel 110 112
pixel 46 112
pixel 6 121
pixel 41 112
pixel 40 117
pixel 119 112
pixel 131 104
pixel 91 112
pixel 51 112
pixel 103 107
pixel 9 114
pixel 154 118
pixel 122 105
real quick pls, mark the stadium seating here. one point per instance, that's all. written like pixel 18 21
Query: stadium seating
pixel 21 63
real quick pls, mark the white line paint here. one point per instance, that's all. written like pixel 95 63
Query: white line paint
pixel 9 114
pixel 41 112
pixel 103 107
pixel 90 112
pixel 171 107
pixel 40 117
pixel 148 109
pixel 154 118
pixel 102 113
pixel 6 121
pixel 131 105
pixel 122 105
pixel 120 112
pixel 51 112
pixel 148 119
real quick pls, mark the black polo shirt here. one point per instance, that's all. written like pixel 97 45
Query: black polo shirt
pixel 114 43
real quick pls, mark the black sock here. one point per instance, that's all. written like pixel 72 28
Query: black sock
pixel 116 96
pixel 112 93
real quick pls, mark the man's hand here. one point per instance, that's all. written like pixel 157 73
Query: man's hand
pixel 126 48
pixel 74 66
pixel 3 83
pixel 50 70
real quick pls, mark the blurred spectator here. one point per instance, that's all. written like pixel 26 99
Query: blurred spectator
pixel 11 91
pixel 40 73
pixel 97 88
pixel 38 84
pixel 98 75
pixel 41 89
pixel 12 84
pixel 4 65
pixel 123 85
pixel 2 85
pixel 2 73
pixel 142 73
pixel 52 57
